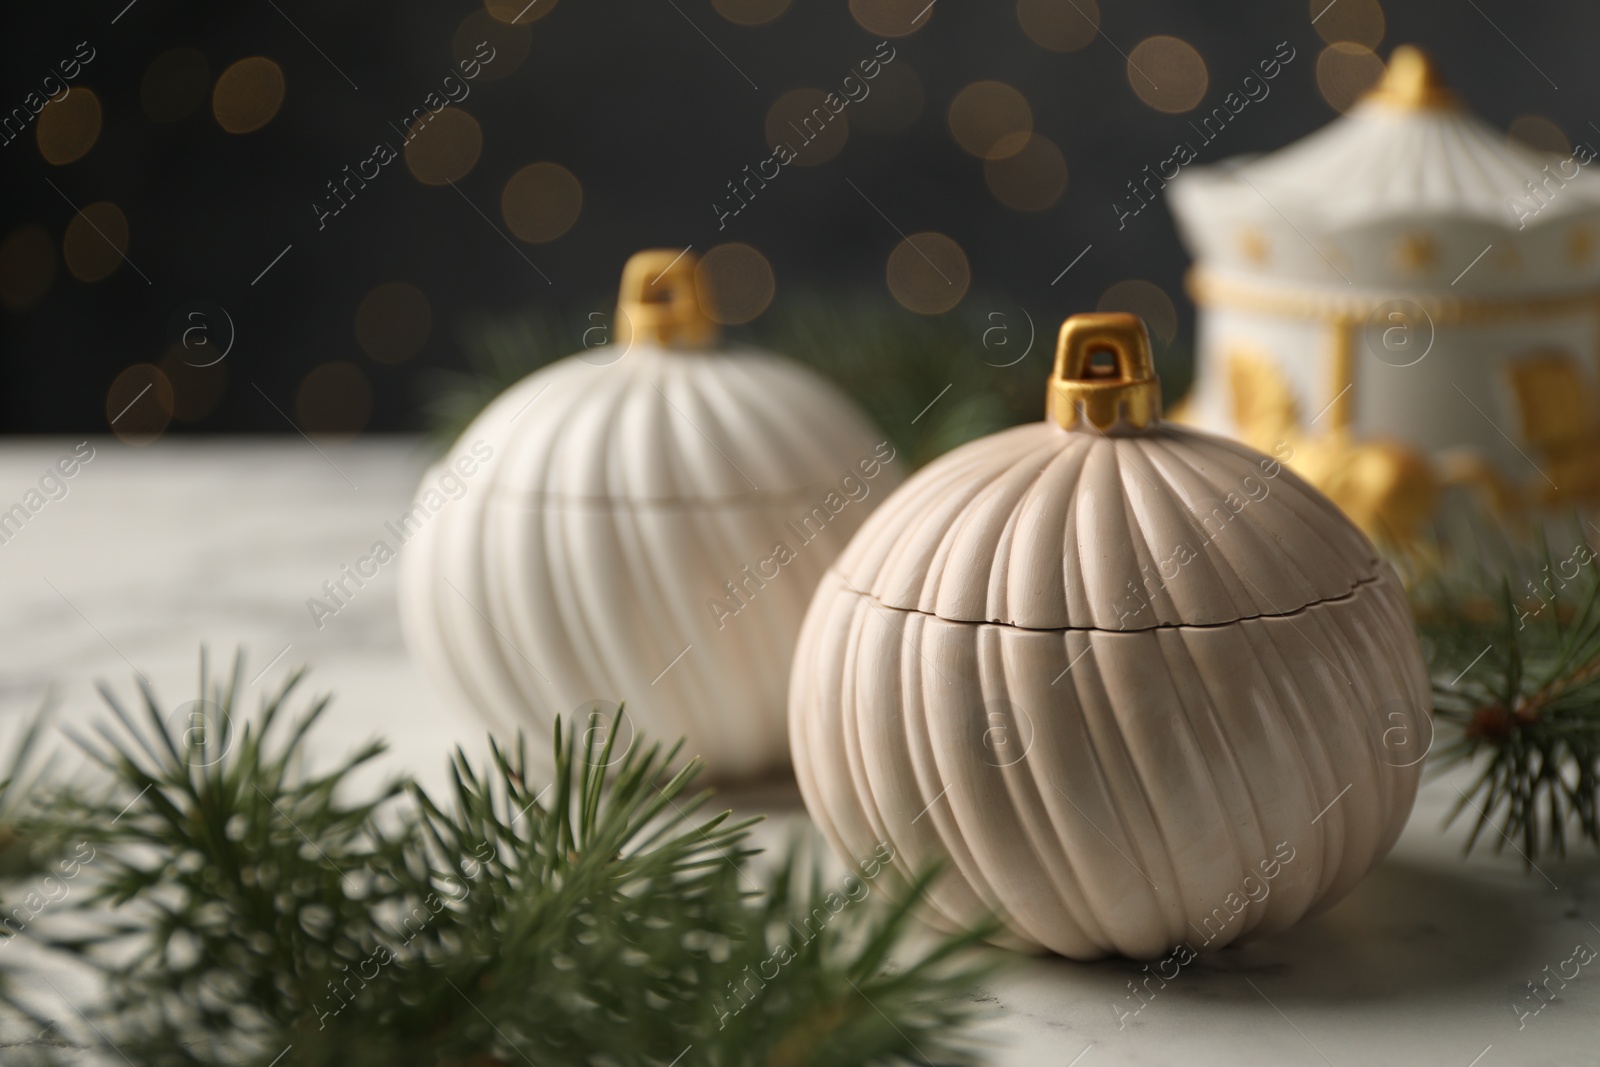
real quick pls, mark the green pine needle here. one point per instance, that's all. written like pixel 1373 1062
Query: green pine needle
pixel 244 907
pixel 22 778
pixel 1515 656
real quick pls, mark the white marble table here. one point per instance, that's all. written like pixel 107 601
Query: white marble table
pixel 153 551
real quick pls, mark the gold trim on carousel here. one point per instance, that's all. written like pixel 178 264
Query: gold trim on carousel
pixel 1411 82
pixel 1342 366
pixel 1208 289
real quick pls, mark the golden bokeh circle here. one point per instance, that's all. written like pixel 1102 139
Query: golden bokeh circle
pixel 801 119
pixel 496 48
pixel 518 12
pixel 393 322
pixel 1059 25
pixel 893 101
pixel 1168 74
pixel 928 273
pixel 1030 178
pixel 985 117
pixel 1345 71
pixel 891 18
pixel 67 128
pixel 27 267
pixel 95 242
pixel 446 149
pixel 750 12
pixel 196 390
pixel 175 85
pixel 334 401
pixel 1358 21
pixel 248 94
pixel 1540 134
pixel 541 202
pixel 1147 300
pixel 735 283
pixel 139 404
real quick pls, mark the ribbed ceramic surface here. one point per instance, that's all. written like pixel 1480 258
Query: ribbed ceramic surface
pixel 679 426
pixel 1379 161
pixel 583 562
pixel 1046 528
pixel 1110 789
pixel 1384 198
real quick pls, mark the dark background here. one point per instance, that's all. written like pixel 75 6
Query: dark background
pixel 633 100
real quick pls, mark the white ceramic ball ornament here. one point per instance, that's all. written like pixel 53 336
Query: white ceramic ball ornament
pixel 1135 685
pixel 649 528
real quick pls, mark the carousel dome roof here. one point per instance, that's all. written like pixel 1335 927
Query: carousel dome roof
pixel 1406 188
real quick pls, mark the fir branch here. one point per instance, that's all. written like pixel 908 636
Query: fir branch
pixel 247 908
pixel 242 883
pixel 22 778
pixel 933 382
pixel 498 351
pixel 1515 654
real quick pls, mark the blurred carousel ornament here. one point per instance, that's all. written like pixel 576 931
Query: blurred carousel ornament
pixel 649 521
pixel 1408 299
pixel 1138 686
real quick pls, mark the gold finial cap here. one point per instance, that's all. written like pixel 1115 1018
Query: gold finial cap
pixel 1411 82
pixel 1124 393
pixel 659 303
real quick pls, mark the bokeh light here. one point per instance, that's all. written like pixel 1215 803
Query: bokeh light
pixel 541 202
pixel 985 117
pixel 893 102
pixel 891 18
pixel 1147 300
pixel 928 273
pixel 27 267
pixel 96 241
pixel 139 404
pixel 735 283
pixel 1059 25
pixel 1540 134
pixel 393 322
pixel 800 114
pixel 446 149
pixel 750 12
pixel 497 47
pixel 1358 21
pixel 1029 179
pixel 518 12
pixel 248 94
pixel 196 390
pixel 175 85
pixel 1345 72
pixel 1168 74
pixel 334 401
pixel 68 127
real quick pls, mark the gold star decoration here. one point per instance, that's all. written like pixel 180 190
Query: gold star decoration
pixel 1418 253
pixel 1580 246
pixel 1507 259
pixel 1254 246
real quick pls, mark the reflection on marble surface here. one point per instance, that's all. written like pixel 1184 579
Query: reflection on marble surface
pixel 154 551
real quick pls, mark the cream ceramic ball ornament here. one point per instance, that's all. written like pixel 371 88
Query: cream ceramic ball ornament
pixel 644 522
pixel 1136 686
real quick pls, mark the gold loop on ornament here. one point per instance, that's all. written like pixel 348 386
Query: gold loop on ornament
pixel 1126 391
pixel 659 302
